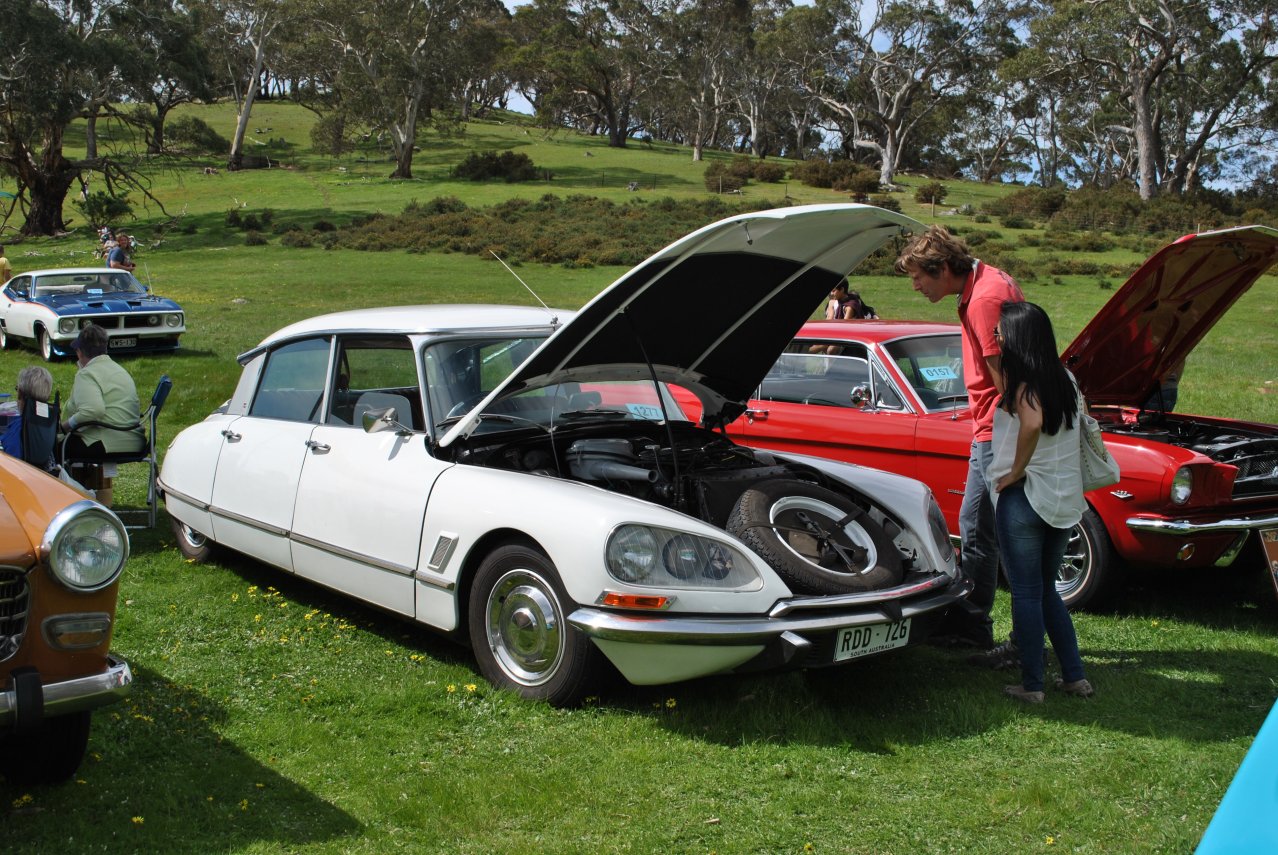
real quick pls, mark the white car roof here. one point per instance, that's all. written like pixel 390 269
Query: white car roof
pixel 423 320
pixel 62 271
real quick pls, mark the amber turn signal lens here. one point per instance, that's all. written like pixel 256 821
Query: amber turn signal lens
pixel 633 601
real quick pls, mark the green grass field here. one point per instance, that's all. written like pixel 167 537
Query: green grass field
pixel 269 716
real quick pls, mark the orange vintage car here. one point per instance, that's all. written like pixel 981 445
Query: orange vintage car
pixel 61 556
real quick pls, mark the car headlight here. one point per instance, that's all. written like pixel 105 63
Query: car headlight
pixel 153 320
pixel 85 546
pixel 173 320
pixel 66 325
pixel 663 558
pixel 1182 485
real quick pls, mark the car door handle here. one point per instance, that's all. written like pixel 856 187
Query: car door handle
pixel 318 447
pixel 751 415
pixel 231 436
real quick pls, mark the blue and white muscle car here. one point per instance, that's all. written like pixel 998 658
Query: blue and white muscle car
pixel 49 307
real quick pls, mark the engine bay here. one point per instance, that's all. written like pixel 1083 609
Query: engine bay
pixel 1253 450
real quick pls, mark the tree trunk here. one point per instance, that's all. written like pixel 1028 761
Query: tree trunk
pixel 91 136
pixel 47 186
pixel 236 160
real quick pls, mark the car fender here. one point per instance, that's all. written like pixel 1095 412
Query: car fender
pixel 190 464
pixel 571 522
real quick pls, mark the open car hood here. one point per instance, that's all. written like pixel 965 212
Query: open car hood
pixel 1163 311
pixel 712 311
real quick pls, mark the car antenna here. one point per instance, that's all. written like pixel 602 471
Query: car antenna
pixel 554 319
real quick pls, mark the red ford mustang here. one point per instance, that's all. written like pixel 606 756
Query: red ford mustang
pixel 1194 490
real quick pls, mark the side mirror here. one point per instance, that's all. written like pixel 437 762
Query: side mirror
pixel 376 421
pixel 860 396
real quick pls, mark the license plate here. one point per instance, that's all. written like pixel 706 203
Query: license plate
pixel 128 341
pixel 854 641
pixel 1269 540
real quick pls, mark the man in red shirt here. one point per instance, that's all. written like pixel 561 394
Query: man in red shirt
pixel 940 265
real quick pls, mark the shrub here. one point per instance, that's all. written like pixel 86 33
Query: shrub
pixel 768 173
pixel 509 166
pixel 1016 221
pixel 855 178
pixel 1038 203
pixel 297 239
pixel 981 218
pixel 815 172
pixel 254 238
pixel 193 134
pixel 328 136
pixel 250 222
pixel 720 179
pixel 886 202
pixel 233 218
pixel 102 209
pixel 323 226
pixel 931 194
pixel 742 167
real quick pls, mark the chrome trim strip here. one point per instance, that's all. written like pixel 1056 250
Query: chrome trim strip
pixel 1158 526
pixel 349 555
pixel 182 497
pixel 865 598
pixel 80 693
pixel 434 581
pixel 640 628
pixel 251 523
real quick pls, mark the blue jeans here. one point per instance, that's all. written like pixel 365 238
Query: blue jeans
pixel 1032 553
pixel 980 544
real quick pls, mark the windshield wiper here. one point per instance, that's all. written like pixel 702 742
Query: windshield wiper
pixel 575 415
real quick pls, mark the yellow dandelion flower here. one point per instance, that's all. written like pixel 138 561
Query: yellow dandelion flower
pixel 23 800
pixel 471 687
pixel 671 703
pixel 243 804
pixel 450 688
pixel 137 820
pixel 389 652
pixel 1050 840
pixel 252 589
pixel 208 798
pixel 260 786
pixel 257 618
pixel 235 597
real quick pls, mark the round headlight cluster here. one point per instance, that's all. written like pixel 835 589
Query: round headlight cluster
pixel 647 555
pixel 173 320
pixel 85 546
pixel 66 325
pixel 1182 485
pixel 153 320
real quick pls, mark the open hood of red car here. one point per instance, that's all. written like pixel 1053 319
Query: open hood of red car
pixel 712 311
pixel 1163 311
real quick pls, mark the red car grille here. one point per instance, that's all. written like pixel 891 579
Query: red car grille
pixel 15 598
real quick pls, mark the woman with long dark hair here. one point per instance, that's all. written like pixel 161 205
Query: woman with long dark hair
pixel 1038 486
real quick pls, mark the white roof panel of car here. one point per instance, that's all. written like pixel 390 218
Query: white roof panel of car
pixel 440 319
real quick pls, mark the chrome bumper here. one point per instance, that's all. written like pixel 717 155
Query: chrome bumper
pixel 80 693
pixel 785 618
pixel 1161 526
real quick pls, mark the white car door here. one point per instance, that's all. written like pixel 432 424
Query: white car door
pixel 361 501
pixel 263 452
pixel 17 311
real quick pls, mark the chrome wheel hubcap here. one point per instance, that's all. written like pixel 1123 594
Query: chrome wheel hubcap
pixel 525 627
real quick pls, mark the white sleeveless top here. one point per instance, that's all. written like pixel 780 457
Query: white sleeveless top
pixel 1053 478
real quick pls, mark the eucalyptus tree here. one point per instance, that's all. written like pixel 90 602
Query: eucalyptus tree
pixel 59 62
pixel 703 56
pixel 1195 78
pixel 170 65
pixel 883 68
pixel 399 61
pixel 587 62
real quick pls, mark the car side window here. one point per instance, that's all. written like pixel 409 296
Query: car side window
pixel 820 373
pixel 373 373
pixel 293 382
pixel 19 286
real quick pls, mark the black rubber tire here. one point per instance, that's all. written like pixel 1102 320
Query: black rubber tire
pixel 192 544
pixel 1089 569
pixel 4 339
pixel 795 527
pixel 45 345
pixel 48 755
pixel 518 626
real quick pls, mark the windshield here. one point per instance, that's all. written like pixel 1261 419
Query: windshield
pixel 461 372
pixel 933 365
pixel 93 284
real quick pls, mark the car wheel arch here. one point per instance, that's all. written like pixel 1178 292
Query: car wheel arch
pixel 487 543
